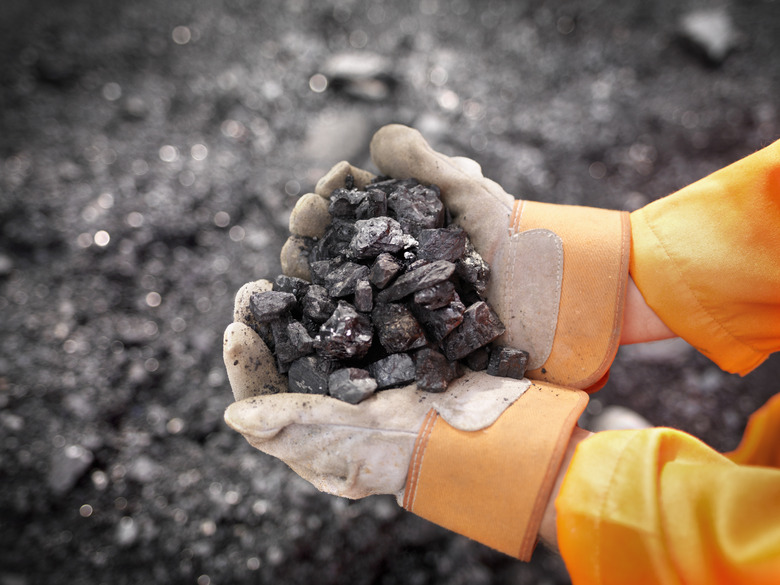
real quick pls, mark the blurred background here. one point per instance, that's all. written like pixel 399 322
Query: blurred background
pixel 150 154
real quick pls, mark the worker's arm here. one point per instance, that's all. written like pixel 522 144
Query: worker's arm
pixel 707 261
pixel 659 506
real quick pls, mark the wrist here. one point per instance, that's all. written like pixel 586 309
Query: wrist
pixel 640 323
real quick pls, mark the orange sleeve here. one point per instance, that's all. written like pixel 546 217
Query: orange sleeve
pixel 707 260
pixel 659 506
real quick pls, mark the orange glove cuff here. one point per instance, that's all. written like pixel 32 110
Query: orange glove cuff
pixel 493 485
pixel 596 251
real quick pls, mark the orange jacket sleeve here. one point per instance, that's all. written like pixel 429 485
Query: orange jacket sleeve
pixel 707 260
pixel 659 506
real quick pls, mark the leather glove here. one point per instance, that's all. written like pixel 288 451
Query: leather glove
pixel 480 458
pixel 558 272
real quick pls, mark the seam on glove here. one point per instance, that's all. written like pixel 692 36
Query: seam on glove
pixel 417 458
pixel 617 315
pixel 515 232
pixel 514 226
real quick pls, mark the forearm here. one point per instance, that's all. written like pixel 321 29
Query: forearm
pixel 640 323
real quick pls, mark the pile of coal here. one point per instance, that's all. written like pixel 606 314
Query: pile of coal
pixel 396 296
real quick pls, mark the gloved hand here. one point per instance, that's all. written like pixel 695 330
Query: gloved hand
pixel 558 272
pixel 480 458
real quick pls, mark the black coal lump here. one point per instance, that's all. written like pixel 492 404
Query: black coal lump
pixel 351 385
pixel 309 375
pixel 507 362
pixel 397 369
pixel 346 334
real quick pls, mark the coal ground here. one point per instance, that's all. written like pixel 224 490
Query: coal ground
pixel 150 153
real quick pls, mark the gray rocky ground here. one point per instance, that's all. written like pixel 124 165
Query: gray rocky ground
pixel 150 153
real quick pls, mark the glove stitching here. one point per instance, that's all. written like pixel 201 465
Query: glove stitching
pixel 509 271
pixel 417 458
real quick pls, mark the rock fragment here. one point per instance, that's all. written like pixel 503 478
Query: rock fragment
pixel 346 334
pixel 351 385
pixel 397 369
pixel 364 296
pixel 383 270
pixel 374 204
pixel 439 323
pixel 473 269
pixel 291 341
pixel 417 208
pixel 480 326
pixel 344 202
pixel 376 235
pixel 507 362
pixel 478 359
pixel 342 281
pixel 309 375
pixel 270 305
pixel 317 304
pixel 442 244
pixel 436 296
pixel 291 284
pixel 433 371
pixel 397 328
pixel 417 279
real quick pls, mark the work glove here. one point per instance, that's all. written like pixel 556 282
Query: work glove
pixel 480 458
pixel 558 272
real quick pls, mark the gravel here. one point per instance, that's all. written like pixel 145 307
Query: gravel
pixel 150 155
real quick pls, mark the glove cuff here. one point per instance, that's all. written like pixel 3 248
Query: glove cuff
pixel 596 251
pixel 493 485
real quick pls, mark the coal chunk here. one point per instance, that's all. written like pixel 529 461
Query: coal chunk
pixel 480 326
pixel 376 235
pixel 344 202
pixel 346 334
pixel 417 208
pixel 321 269
pixel 270 305
pixel 291 340
pixel 473 269
pixel 351 385
pixel 436 296
pixel 439 323
pixel 291 284
pixel 374 204
pixel 341 281
pixel 442 244
pixel 364 296
pixel 391 185
pixel 417 279
pixel 397 369
pixel 317 304
pixel 335 241
pixel 507 362
pixel 433 371
pixel 383 270
pixel 478 359
pixel 309 375
pixel 397 328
